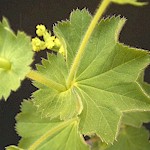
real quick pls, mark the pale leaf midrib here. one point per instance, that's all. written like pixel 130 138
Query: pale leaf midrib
pixel 42 138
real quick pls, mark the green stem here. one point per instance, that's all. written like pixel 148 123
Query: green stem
pixel 51 132
pixel 5 64
pixel 88 33
pixel 45 81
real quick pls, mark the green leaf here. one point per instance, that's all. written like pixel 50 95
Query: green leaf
pixel 132 2
pixel 105 83
pixel 53 103
pixel 13 148
pixel 144 85
pixel 41 133
pixel 5 23
pixel 131 139
pixel 72 32
pixel 136 119
pixel 16 50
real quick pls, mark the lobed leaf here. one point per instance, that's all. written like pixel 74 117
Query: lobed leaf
pixel 106 77
pixel 105 84
pixel 53 103
pixel 54 134
pixel 131 139
pixel 136 119
pixel 17 50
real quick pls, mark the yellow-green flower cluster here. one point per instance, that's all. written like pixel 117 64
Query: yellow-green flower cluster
pixel 38 44
pixel 48 42
pixel 41 30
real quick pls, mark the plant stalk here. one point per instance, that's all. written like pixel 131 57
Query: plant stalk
pixel 45 81
pixel 88 33
pixel 5 64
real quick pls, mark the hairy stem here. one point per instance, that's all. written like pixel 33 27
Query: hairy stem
pixel 51 132
pixel 5 64
pixel 88 33
pixel 45 81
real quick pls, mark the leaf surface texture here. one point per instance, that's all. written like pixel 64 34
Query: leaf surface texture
pixel 105 84
pixel 54 134
pixel 17 50
pixel 131 139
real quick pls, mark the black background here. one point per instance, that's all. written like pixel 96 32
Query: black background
pixel 24 15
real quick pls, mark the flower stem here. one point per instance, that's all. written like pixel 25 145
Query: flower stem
pixel 88 33
pixel 51 132
pixel 5 64
pixel 45 81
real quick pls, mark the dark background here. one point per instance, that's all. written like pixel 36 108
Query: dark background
pixel 24 15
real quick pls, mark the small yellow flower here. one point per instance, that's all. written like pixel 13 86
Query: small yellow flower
pixel 46 36
pixel 50 42
pixel 37 44
pixel 41 30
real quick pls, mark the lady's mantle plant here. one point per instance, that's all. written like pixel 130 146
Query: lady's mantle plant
pixel 92 86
